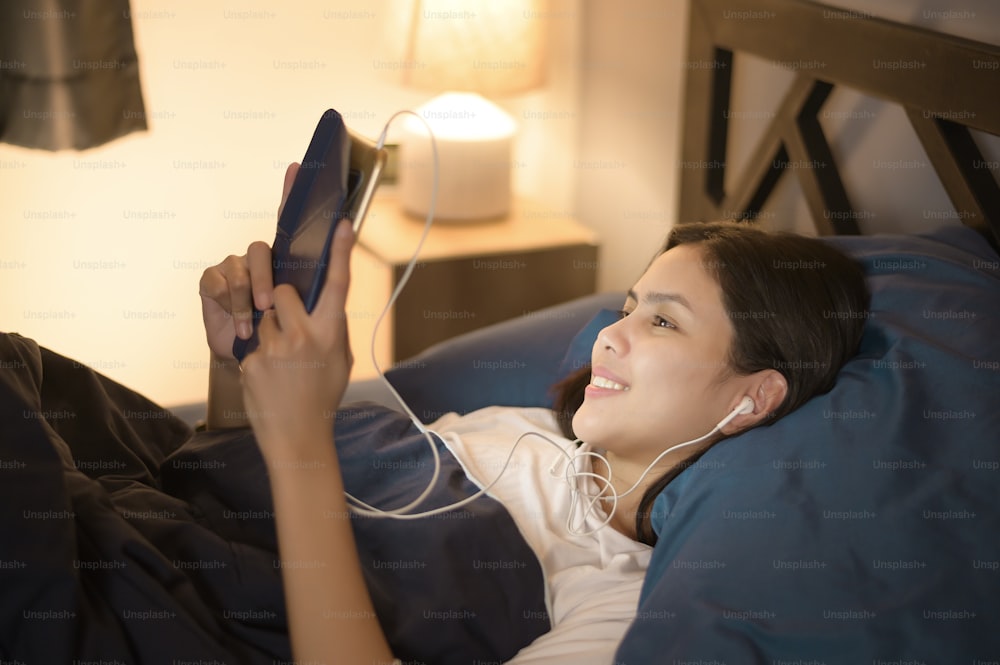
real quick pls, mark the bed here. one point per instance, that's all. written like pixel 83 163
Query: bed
pixel 862 528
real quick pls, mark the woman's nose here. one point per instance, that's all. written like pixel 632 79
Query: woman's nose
pixel 614 338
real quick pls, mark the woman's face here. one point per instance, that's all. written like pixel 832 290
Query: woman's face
pixel 660 374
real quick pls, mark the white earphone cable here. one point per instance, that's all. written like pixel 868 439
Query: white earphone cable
pixel 572 474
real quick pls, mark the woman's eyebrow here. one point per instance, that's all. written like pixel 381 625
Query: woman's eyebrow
pixel 656 297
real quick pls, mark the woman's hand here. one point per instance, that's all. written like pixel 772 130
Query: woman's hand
pixel 230 290
pixel 294 381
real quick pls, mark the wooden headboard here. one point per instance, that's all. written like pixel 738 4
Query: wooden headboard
pixel 946 85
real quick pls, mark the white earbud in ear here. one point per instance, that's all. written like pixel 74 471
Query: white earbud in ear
pixel 745 406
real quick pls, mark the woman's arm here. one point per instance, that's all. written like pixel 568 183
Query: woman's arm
pixel 330 613
pixel 225 395
pixel 289 389
pixel 292 385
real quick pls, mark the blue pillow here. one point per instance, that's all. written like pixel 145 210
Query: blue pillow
pixel 864 527
pixel 513 363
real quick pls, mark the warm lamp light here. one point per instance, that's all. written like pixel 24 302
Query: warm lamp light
pixel 468 48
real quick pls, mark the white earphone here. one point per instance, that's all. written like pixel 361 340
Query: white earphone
pixel 572 474
pixel 746 405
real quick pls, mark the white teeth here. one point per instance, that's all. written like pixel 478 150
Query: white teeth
pixel 601 382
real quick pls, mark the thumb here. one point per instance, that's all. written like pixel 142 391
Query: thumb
pixel 286 187
pixel 333 298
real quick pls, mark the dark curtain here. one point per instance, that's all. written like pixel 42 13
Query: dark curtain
pixel 69 77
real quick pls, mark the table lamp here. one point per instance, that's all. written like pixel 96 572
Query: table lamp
pixel 466 50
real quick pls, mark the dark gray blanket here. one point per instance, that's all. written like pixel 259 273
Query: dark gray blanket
pixel 124 536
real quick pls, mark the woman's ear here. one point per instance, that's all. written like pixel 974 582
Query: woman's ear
pixel 767 388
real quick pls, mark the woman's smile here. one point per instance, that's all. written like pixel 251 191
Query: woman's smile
pixel 604 383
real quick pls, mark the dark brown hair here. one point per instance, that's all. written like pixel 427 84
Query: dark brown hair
pixel 797 305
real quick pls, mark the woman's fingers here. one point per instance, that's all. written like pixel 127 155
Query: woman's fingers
pixel 214 287
pixel 249 282
pixel 239 283
pixel 332 302
pixel 291 317
pixel 261 274
pixel 268 330
pixel 289 329
pixel 258 257
pixel 286 188
pixel 240 305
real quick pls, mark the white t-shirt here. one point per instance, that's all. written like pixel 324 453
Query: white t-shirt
pixel 592 582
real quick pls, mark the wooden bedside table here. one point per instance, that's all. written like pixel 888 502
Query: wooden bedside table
pixel 467 276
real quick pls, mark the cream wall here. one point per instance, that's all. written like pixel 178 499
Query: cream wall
pixel 630 130
pixel 101 251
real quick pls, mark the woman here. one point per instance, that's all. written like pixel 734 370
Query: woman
pixel 727 329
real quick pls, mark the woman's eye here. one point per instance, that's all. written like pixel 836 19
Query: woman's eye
pixel 658 321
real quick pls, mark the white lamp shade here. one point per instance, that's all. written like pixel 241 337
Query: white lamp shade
pixel 474 139
pixel 493 47
pixel 489 47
